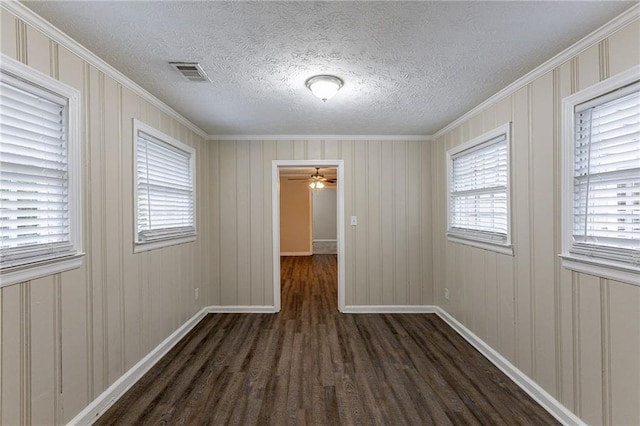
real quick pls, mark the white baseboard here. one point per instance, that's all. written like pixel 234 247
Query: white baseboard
pixel 107 398
pixel 389 309
pixel 296 253
pixel 542 397
pixel 325 247
pixel 241 309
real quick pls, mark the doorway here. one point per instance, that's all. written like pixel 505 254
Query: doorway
pixel 275 202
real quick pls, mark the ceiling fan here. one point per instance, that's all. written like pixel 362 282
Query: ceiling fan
pixel 317 180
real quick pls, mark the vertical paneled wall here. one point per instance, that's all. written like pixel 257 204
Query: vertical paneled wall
pixel 65 338
pixel 577 336
pixel 387 185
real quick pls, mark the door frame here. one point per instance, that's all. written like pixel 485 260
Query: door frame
pixel 340 237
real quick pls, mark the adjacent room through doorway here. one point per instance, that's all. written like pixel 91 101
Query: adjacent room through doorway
pixel 307 219
pixel 308 236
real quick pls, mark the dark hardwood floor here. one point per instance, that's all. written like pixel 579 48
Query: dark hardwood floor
pixel 310 364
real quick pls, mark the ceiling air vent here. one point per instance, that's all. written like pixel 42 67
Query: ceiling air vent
pixel 190 71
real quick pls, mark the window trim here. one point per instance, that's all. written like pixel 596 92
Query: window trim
pixel 141 246
pixel 73 259
pixel 468 238
pixel 575 262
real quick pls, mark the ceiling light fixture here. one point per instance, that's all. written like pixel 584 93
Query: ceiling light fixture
pixel 324 86
pixel 316 185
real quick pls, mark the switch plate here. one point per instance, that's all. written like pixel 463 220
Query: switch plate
pixel 354 220
pixel 446 293
pixel 197 294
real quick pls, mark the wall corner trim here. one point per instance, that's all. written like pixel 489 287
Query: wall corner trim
pixel 107 398
pixel 45 27
pixel 575 49
pixel 542 397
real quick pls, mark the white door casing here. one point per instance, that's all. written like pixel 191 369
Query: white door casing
pixel 275 203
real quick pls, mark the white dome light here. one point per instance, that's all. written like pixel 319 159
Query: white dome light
pixel 324 86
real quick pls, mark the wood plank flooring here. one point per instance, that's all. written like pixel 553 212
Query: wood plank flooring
pixel 310 364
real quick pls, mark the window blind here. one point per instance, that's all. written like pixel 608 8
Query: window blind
pixel 164 188
pixel 34 204
pixel 478 192
pixel 606 189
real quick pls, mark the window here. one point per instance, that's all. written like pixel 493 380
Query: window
pixel 602 179
pixel 164 188
pixel 478 181
pixel 40 178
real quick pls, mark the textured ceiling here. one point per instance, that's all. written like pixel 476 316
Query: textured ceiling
pixel 408 67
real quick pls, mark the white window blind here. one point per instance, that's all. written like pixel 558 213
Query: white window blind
pixel 606 187
pixel 165 189
pixel 479 192
pixel 34 182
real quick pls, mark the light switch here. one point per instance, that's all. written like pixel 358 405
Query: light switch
pixel 354 220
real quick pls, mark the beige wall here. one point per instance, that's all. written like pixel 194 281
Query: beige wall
pixel 295 217
pixel 387 185
pixel 67 337
pixel 577 336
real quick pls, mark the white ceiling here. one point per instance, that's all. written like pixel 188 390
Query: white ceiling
pixel 409 68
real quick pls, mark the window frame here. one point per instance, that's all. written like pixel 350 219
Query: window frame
pixel 468 238
pixel 41 266
pixel 165 241
pixel 592 265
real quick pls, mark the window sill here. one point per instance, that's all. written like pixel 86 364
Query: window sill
pixel 139 247
pixel 601 268
pixel 485 245
pixel 31 271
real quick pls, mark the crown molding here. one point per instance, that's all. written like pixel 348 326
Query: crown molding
pixel 45 27
pixel 30 17
pixel 27 15
pixel 319 137
pixel 595 37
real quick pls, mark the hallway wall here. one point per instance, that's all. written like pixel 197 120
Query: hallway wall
pixel 324 214
pixel 576 335
pixel 387 185
pixel 66 337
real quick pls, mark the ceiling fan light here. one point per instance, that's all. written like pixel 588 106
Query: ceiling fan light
pixel 324 86
pixel 316 185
